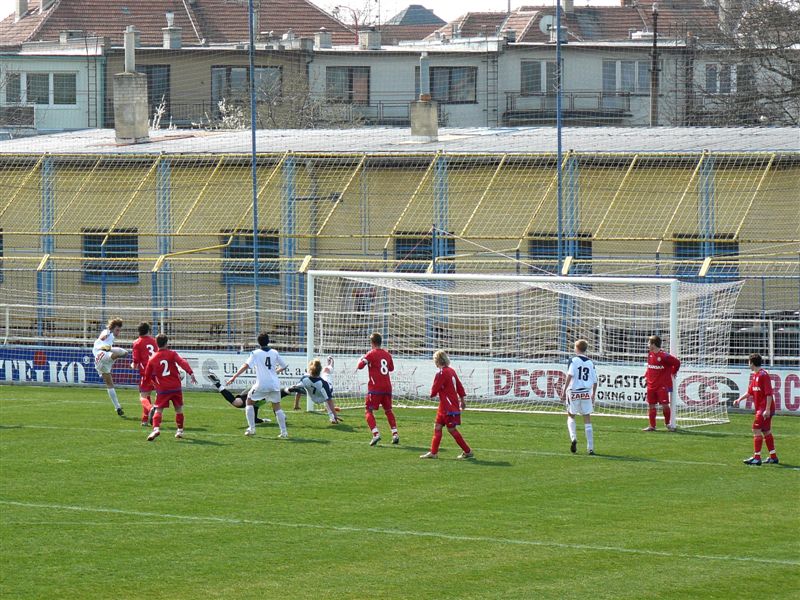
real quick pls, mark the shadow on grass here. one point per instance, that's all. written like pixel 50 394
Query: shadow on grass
pixel 485 463
pixel 201 442
pixel 296 440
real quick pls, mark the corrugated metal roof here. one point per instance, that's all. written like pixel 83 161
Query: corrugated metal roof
pixel 399 140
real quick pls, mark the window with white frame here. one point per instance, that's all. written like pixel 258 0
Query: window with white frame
pixel 631 76
pixel 41 89
pixel 537 76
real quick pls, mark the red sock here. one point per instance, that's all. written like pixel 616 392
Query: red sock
pixel 651 415
pixel 459 440
pixel 157 420
pixel 370 420
pixel 179 420
pixel 437 439
pixel 146 406
pixel 667 415
pixel 770 443
pixel 392 420
pixel 757 442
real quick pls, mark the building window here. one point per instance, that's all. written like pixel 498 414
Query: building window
pixel 347 85
pixel 691 247
pixel 452 85
pixel 719 79
pixel 414 252
pixel 531 80
pixel 237 263
pixel 232 84
pixel 43 89
pixel 111 266
pixel 632 76
pixel 38 88
pixel 64 88
pixel 543 253
pixel 158 87
pixel 13 86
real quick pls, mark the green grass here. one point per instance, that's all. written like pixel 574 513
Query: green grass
pixel 88 509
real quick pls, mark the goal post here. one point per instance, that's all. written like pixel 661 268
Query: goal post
pixel 510 337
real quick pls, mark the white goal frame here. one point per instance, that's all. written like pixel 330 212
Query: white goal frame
pixel 674 331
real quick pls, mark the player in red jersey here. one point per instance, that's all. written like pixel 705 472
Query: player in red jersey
pixel 661 368
pixel 143 348
pixel 379 388
pixel 447 386
pixel 162 369
pixel 760 392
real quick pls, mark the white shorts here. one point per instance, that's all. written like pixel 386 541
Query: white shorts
pixel 579 403
pixel 273 396
pixel 103 361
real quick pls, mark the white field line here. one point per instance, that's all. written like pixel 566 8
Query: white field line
pixel 516 452
pixel 405 533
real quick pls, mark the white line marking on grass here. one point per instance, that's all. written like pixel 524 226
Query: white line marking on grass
pixel 408 533
pixel 206 434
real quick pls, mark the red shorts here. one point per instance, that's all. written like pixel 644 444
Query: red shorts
pixel 163 400
pixel 376 401
pixel 762 422
pixel 659 396
pixel 146 386
pixel 448 420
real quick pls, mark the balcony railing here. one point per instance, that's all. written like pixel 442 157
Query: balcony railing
pixel 586 106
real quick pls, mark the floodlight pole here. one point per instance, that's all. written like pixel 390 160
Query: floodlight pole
pixel 559 207
pixel 654 71
pixel 253 163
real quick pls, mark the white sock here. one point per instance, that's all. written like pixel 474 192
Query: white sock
pixel 281 419
pixel 250 413
pixel 573 434
pixel 328 410
pixel 589 436
pixel 375 432
pixel 112 393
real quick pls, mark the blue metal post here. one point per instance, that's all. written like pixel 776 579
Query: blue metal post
pixel 706 208
pixel 288 244
pixel 253 162
pixel 559 85
pixel 162 290
pixel 45 279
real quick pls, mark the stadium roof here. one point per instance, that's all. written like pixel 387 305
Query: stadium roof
pixel 399 140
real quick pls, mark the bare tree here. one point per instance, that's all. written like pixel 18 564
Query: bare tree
pixel 755 77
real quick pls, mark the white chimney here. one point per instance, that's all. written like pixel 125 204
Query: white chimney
pixel 45 5
pixel 20 8
pixel 569 6
pixel 369 39
pixel 172 34
pixel 130 49
pixel 322 39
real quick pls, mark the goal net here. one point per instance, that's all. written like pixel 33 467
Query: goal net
pixel 510 337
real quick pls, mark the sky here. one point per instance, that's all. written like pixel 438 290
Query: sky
pixel 446 9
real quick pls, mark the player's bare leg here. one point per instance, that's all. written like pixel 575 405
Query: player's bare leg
pixel 112 393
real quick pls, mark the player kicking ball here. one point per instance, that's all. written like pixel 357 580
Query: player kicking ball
pixel 105 353
pixel 239 400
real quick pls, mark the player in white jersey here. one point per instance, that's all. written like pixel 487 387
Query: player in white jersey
pixel 267 363
pixel 105 353
pixel 317 387
pixel 579 393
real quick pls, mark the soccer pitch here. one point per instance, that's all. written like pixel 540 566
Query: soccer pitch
pixel 89 509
